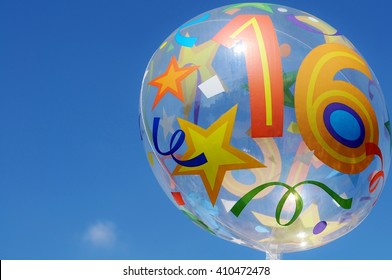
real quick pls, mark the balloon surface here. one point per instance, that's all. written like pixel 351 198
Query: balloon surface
pixel 266 127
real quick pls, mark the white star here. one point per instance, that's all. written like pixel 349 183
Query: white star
pixel 228 204
pixel 167 124
pixel 238 241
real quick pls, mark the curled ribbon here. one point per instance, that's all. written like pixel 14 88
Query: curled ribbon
pixel 175 145
pixel 243 202
pixel 373 149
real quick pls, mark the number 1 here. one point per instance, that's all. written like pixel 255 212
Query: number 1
pixel 263 64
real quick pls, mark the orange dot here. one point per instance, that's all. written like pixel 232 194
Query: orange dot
pixel 285 50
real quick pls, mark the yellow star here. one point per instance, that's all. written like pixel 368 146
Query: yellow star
pixel 214 142
pixel 170 81
pixel 300 232
pixel 203 56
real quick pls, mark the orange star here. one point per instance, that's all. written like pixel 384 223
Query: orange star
pixel 170 81
pixel 214 142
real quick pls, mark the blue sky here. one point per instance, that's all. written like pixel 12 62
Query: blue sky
pixel 74 179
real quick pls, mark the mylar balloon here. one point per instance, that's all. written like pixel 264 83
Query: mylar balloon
pixel 266 127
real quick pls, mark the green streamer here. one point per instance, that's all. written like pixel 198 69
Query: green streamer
pixel 260 6
pixel 289 79
pixel 197 221
pixel 243 202
pixel 388 127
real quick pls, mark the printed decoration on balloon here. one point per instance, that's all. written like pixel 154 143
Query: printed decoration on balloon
pixel 187 41
pixel 387 126
pixel 170 81
pixel 261 6
pixel 309 228
pixel 322 104
pixel 270 172
pixel 197 221
pixel 202 56
pixel 377 176
pixel 303 160
pixel 178 198
pixel 290 191
pixel 261 123
pixel 167 124
pixel 262 58
pixel 196 160
pixel 289 79
pixel 316 25
pixel 220 155
pixel 170 181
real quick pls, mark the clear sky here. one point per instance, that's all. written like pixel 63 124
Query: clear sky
pixel 74 179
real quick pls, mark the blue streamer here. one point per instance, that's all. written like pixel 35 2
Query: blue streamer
pixel 189 41
pixel 175 146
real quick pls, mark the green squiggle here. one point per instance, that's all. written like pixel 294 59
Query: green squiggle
pixel 260 6
pixel 243 202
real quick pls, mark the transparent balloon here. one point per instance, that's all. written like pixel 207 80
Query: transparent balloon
pixel 266 127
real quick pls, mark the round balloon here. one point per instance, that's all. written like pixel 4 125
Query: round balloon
pixel 266 127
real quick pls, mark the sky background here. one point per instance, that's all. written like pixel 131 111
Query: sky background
pixel 74 179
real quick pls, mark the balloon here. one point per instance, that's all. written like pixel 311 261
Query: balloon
pixel 266 127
